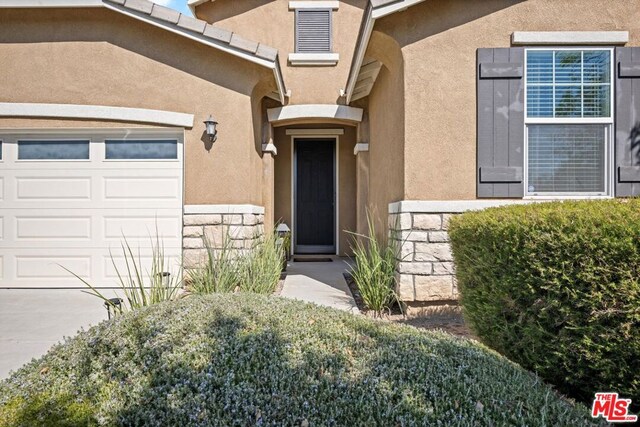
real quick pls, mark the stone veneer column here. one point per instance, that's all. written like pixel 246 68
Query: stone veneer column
pixel 425 268
pixel 242 224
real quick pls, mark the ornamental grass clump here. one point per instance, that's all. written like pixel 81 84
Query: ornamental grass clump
pixel 374 269
pixel 228 269
pixel 247 359
pixel 139 284
pixel 556 288
pixel 220 270
pixel 261 269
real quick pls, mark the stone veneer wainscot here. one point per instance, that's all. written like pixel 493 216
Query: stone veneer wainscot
pixel 425 270
pixel 211 223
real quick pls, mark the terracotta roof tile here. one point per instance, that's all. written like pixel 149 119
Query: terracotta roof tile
pixel 165 14
pixel 191 24
pixel 267 52
pixel 217 33
pixel 243 44
pixel 143 6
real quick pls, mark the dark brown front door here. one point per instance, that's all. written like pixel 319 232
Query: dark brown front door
pixel 315 196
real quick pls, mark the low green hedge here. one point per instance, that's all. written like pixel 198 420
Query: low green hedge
pixel 254 360
pixel 556 288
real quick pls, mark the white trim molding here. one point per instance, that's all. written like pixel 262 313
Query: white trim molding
pixel 51 3
pixel 315 111
pixel 319 59
pixel 96 112
pixel 270 148
pixel 360 147
pixel 311 134
pixel 314 132
pixel 459 206
pixel 570 37
pixel 222 209
pixel 382 8
pixel 314 4
pixel 195 3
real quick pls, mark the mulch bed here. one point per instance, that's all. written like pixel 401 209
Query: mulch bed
pixel 446 317
pixel 280 284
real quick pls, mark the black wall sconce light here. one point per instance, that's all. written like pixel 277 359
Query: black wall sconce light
pixel 210 128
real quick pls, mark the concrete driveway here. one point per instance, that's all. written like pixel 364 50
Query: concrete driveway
pixel 32 320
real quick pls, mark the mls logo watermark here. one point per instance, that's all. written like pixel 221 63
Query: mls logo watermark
pixel 613 408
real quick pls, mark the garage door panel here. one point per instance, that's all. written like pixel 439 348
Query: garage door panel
pixel 47 228
pixel 134 188
pixel 53 188
pixel 43 267
pixel 51 266
pixel 79 191
pixel 57 213
pixel 90 228
pixel 141 227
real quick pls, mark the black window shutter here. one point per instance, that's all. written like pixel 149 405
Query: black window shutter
pixel 500 103
pixel 627 121
pixel 313 30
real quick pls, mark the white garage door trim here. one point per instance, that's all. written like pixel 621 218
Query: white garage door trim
pixel 74 212
pixel 98 112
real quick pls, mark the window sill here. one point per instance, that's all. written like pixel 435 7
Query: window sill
pixel 551 197
pixel 315 4
pixel 313 59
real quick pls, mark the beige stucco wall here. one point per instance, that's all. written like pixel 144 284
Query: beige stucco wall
pixel 100 57
pixel 439 41
pixel 271 22
pixel 386 130
pixel 346 175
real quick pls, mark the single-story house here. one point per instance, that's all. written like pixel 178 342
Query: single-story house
pixel 411 110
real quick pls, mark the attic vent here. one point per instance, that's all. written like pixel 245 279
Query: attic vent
pixel 313 30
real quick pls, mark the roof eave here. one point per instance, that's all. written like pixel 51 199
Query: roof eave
pixel 193 4
pixel 376 9
pixel 271 62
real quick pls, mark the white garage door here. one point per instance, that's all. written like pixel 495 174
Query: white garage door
pixel 68 200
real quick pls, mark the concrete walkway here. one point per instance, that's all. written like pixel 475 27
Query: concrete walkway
pixel 32 320
pixel 321 283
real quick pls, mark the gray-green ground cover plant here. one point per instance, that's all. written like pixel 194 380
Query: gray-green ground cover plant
pixel 246 359
pixel 556 288
pixel 374 269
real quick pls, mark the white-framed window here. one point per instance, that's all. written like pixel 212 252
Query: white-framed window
pixel 568 121
pixel 141 149
pixel 54 150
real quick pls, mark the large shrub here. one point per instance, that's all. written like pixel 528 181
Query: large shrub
pixel 556 288
pixel 244 359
